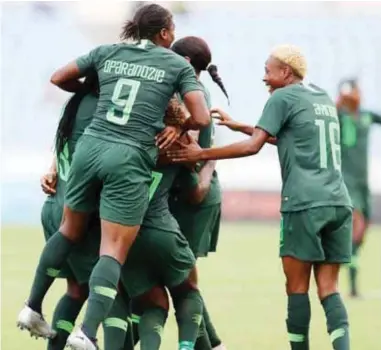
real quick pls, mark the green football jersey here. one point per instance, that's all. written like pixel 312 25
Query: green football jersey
pixel 83 118
pixel 304 120
pixel 354 145
pixel 136 83
pixel 157 214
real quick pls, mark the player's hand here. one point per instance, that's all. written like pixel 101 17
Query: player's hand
pixel 223 118
pixel 167 137
pixel 49 182
pixel 189 153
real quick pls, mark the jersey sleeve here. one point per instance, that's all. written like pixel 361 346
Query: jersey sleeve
pixel 376 118
pixel 187 80
pixel 87 62
pixel 274 114
pixel 92 59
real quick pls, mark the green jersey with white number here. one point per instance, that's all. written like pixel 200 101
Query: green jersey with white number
pixel 83 118
pixel 354 145
pixel 304 120
pixel 136 83
pixel 158 214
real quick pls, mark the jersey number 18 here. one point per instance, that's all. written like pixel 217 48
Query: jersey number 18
pixel 334 143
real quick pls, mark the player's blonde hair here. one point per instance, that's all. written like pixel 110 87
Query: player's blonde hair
pixel 175 114
pixel 292 56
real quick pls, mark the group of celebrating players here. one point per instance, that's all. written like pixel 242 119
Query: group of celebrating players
pixel 134 198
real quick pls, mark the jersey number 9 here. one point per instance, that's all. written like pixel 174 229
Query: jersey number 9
pixel 123 98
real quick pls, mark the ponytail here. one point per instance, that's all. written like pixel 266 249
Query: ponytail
pixel 213 72
pixel 130 31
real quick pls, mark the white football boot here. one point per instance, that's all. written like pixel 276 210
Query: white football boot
pixel 78 340
pixel 34 323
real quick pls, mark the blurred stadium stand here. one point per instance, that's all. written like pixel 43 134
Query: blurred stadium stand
pixel 339 39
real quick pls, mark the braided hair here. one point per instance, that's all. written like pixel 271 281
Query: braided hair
pixel 200 57
pixel 66 123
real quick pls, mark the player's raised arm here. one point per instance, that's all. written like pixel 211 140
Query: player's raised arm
pixel 225 119
pixel 193 98
pixel 193 152
pixel 66 78
pixel 195 103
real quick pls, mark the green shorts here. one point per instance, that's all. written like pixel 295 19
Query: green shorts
pixel 361 199
pixel 200 226
pixel 318 234
pixel 85 255
pixel 158 257
pixel 119 173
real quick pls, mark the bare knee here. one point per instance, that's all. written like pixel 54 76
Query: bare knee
pixel 326 277
pixel 297 274
pixel 77 291
pixel 117 240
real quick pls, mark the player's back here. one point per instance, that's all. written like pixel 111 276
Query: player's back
pixel 136 83
pixel 309 150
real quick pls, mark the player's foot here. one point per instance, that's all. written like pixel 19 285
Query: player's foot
pixel 220 347
pixel 34 323
pixel 78 340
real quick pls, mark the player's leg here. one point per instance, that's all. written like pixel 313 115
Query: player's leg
pixel 361 201
pixel 188 305
pixel 297 274
pixel 211 220
pixel 126 177
pixel 336 242
pixel 132 336
pixel 52 259
pixel 80 199
pixel 299 247
pixel 66 313
pixel 180 276
pixel 359 228
pixel 116 325
pixel 142 281
pixel 154 305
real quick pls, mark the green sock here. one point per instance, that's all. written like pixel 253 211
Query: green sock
pixel 151 327
pixel 115 326
pixel 132 336
pixel 353 266
pixel 103 289
pixel 211 331
pixel 65 314
pixel 298 321
pixel 189 308
pixel 54 254
pixel 337 321
pixel 203 342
